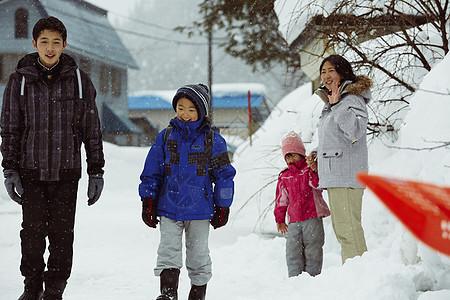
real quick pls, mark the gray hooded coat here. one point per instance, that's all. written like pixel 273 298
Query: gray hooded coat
pixel 342 150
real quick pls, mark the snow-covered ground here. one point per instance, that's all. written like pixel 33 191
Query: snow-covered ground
pixel 115 252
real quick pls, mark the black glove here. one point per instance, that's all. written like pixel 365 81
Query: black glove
pixel 13 184
pixel 149 212
pixel 220 217
pixel 95 188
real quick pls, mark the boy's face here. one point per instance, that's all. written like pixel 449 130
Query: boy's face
pixel 49 46
pixel 291 158
pixel 186 111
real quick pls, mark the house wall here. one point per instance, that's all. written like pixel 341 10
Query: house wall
pixel 312 56
pixel 11 48
pixel 158 118
pixel 109 91
pixel 230 121
pixel 9 43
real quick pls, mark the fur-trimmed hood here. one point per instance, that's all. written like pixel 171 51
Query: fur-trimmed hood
pixel 360 87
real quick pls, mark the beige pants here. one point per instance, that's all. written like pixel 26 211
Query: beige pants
pixel 345 206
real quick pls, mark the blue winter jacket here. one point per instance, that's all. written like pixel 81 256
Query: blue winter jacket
pixel 177 173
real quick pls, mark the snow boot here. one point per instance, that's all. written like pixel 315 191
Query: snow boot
pixel 169 284
pixel 31 295
pixel 198 292
pixel 33 289
pixel 54 289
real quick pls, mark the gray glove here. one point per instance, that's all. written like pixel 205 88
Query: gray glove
pixel 95 188
pixel 13 184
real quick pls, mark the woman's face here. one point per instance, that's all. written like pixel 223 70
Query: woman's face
pixel 328 75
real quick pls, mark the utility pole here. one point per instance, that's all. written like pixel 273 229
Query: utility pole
pixel 210 70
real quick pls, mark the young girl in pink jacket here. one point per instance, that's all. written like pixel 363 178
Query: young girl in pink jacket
pixel 298 195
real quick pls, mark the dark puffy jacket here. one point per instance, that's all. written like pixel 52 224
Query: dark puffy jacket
pixel 176 173
pixel 42 141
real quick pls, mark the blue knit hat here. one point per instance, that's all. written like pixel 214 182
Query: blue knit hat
pixel 198 94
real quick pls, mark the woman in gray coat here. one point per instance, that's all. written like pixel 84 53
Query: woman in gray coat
pixel 342 149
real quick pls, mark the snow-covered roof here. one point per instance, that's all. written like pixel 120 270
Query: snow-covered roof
pixel 293 15
pixel 225 96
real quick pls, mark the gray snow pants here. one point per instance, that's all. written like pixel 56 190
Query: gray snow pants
pixel 304 247
pixel 198 261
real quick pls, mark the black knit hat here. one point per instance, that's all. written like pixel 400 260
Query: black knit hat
pixel 198 94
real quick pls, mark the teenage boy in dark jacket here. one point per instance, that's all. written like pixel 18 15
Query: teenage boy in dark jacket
pixel 42 132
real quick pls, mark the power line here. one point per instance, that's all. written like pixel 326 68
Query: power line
pixel 162 39
pixel 140 21
pixel 179 42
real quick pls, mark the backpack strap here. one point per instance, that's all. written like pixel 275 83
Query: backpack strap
pixel 209 138
pixel 165 138
pixel 80 99
pixel 22 94
pixel 166 134
pixel 79 109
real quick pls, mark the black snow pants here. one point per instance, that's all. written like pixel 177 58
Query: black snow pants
pixel 48 211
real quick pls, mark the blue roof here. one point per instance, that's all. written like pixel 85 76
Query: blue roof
pixel 155 102
pixel 148 102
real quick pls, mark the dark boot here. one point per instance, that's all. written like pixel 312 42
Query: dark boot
pixel 31 295
pixel 198 292
pixel 54 289
pixel 33 289
pixel 169 284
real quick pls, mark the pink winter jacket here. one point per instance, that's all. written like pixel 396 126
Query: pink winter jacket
pixel 297 193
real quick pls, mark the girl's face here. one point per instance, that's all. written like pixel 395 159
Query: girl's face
pixel 186 111
pixel 291 158
pixel 329 75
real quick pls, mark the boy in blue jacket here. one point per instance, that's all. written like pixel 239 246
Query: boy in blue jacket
pixel 177 185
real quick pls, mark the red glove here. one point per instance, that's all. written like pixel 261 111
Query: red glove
pixel 149 212
pixel 220 217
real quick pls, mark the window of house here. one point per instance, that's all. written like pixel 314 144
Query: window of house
pixel 8 63
pixel 21 23
pixel 116 81
pixel 85 65
pixel 103 78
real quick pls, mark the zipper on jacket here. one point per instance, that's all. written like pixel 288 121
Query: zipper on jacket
pixel 75 139
pixel 23 148
pixel 50 128
pixel 161 193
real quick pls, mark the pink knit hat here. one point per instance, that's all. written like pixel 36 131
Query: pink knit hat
pixel 292 143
